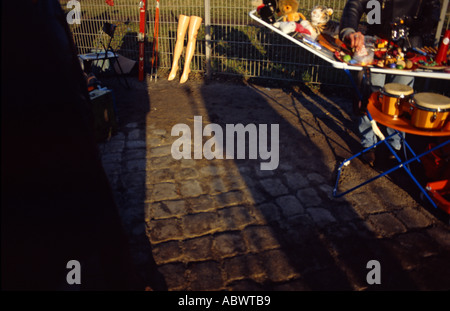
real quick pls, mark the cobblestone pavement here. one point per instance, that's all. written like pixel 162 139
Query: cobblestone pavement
pixel 225 224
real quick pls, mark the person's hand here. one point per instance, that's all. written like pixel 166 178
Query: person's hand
pixel 356 40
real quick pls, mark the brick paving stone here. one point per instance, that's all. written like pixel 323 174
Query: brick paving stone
pixel 200 224
pixel 274 187
pixel 136 165
pixel 158 132
pixel 270 211
pixel 211 170
pixel 190 188
pixel 205 275
pixel 243 267
pixel 229 244
pixel 135 134
pixel 187 162
pixel 235 217
pixel 263 173
pixel 166 209
pixel 217 185
pixel 236 182
pixel 315 178
pixel 112 158
pixel 164 191
pixel 160 151
pixel 344 213
pixel 134 144
pixel 161 175
pixel 167 252
pixel 321 216
pixel 231 198
pixel 201 203
pixel 309 197
pixel 134 154
pixel 259 238
pixel 413 219
pixel 155 141
pixel 115 146
pixel 258 196
pixel 278 266
pixel 186 173
pixel 366 203
pixel 386 224
pixel 164 229
pixel 198 249
pixel 162 162
pixel 289 205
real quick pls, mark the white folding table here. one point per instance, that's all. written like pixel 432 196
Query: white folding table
pixel 329 57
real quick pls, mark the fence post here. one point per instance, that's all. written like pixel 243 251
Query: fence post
pixel 208 37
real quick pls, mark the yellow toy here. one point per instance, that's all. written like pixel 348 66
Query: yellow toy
pixel 289 11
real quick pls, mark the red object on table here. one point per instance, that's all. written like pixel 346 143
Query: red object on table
pixel 141 37
pixel 442 52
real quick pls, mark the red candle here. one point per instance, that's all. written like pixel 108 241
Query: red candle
pixel 442 52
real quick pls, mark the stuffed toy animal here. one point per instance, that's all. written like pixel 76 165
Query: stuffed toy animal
pixel 288 10
pixel 290 27
pixel 267 10
pixel 321 22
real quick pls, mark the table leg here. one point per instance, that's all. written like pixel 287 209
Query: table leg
pixel 400 165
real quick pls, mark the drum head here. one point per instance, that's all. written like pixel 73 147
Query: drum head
pixel 432 101
pixel 398 89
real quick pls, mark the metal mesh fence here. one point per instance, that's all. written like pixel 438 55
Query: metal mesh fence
pixel 239 45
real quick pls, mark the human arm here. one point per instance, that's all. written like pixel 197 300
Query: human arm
pixel 351 16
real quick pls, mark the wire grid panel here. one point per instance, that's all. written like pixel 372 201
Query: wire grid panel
pixel 239 46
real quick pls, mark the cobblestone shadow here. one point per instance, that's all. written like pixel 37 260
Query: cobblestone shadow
pixel 225 224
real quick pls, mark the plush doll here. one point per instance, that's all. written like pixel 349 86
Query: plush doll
pixel 267 10
pixel 321 22
pixel 288 9
pixel 290 27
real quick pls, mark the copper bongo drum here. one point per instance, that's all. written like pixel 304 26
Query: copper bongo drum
pixel 394 99
pixel 429 110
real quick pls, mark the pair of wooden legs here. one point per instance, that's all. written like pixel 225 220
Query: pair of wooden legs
pixel 194 23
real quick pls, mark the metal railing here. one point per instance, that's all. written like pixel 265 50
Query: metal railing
pixel 233 43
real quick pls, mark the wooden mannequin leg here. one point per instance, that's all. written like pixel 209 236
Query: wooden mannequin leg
pixel 194 25
pixel 183 22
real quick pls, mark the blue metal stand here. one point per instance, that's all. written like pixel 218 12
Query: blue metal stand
pixel 401 164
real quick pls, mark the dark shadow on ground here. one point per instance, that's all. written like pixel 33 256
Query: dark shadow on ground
pixel 328 255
